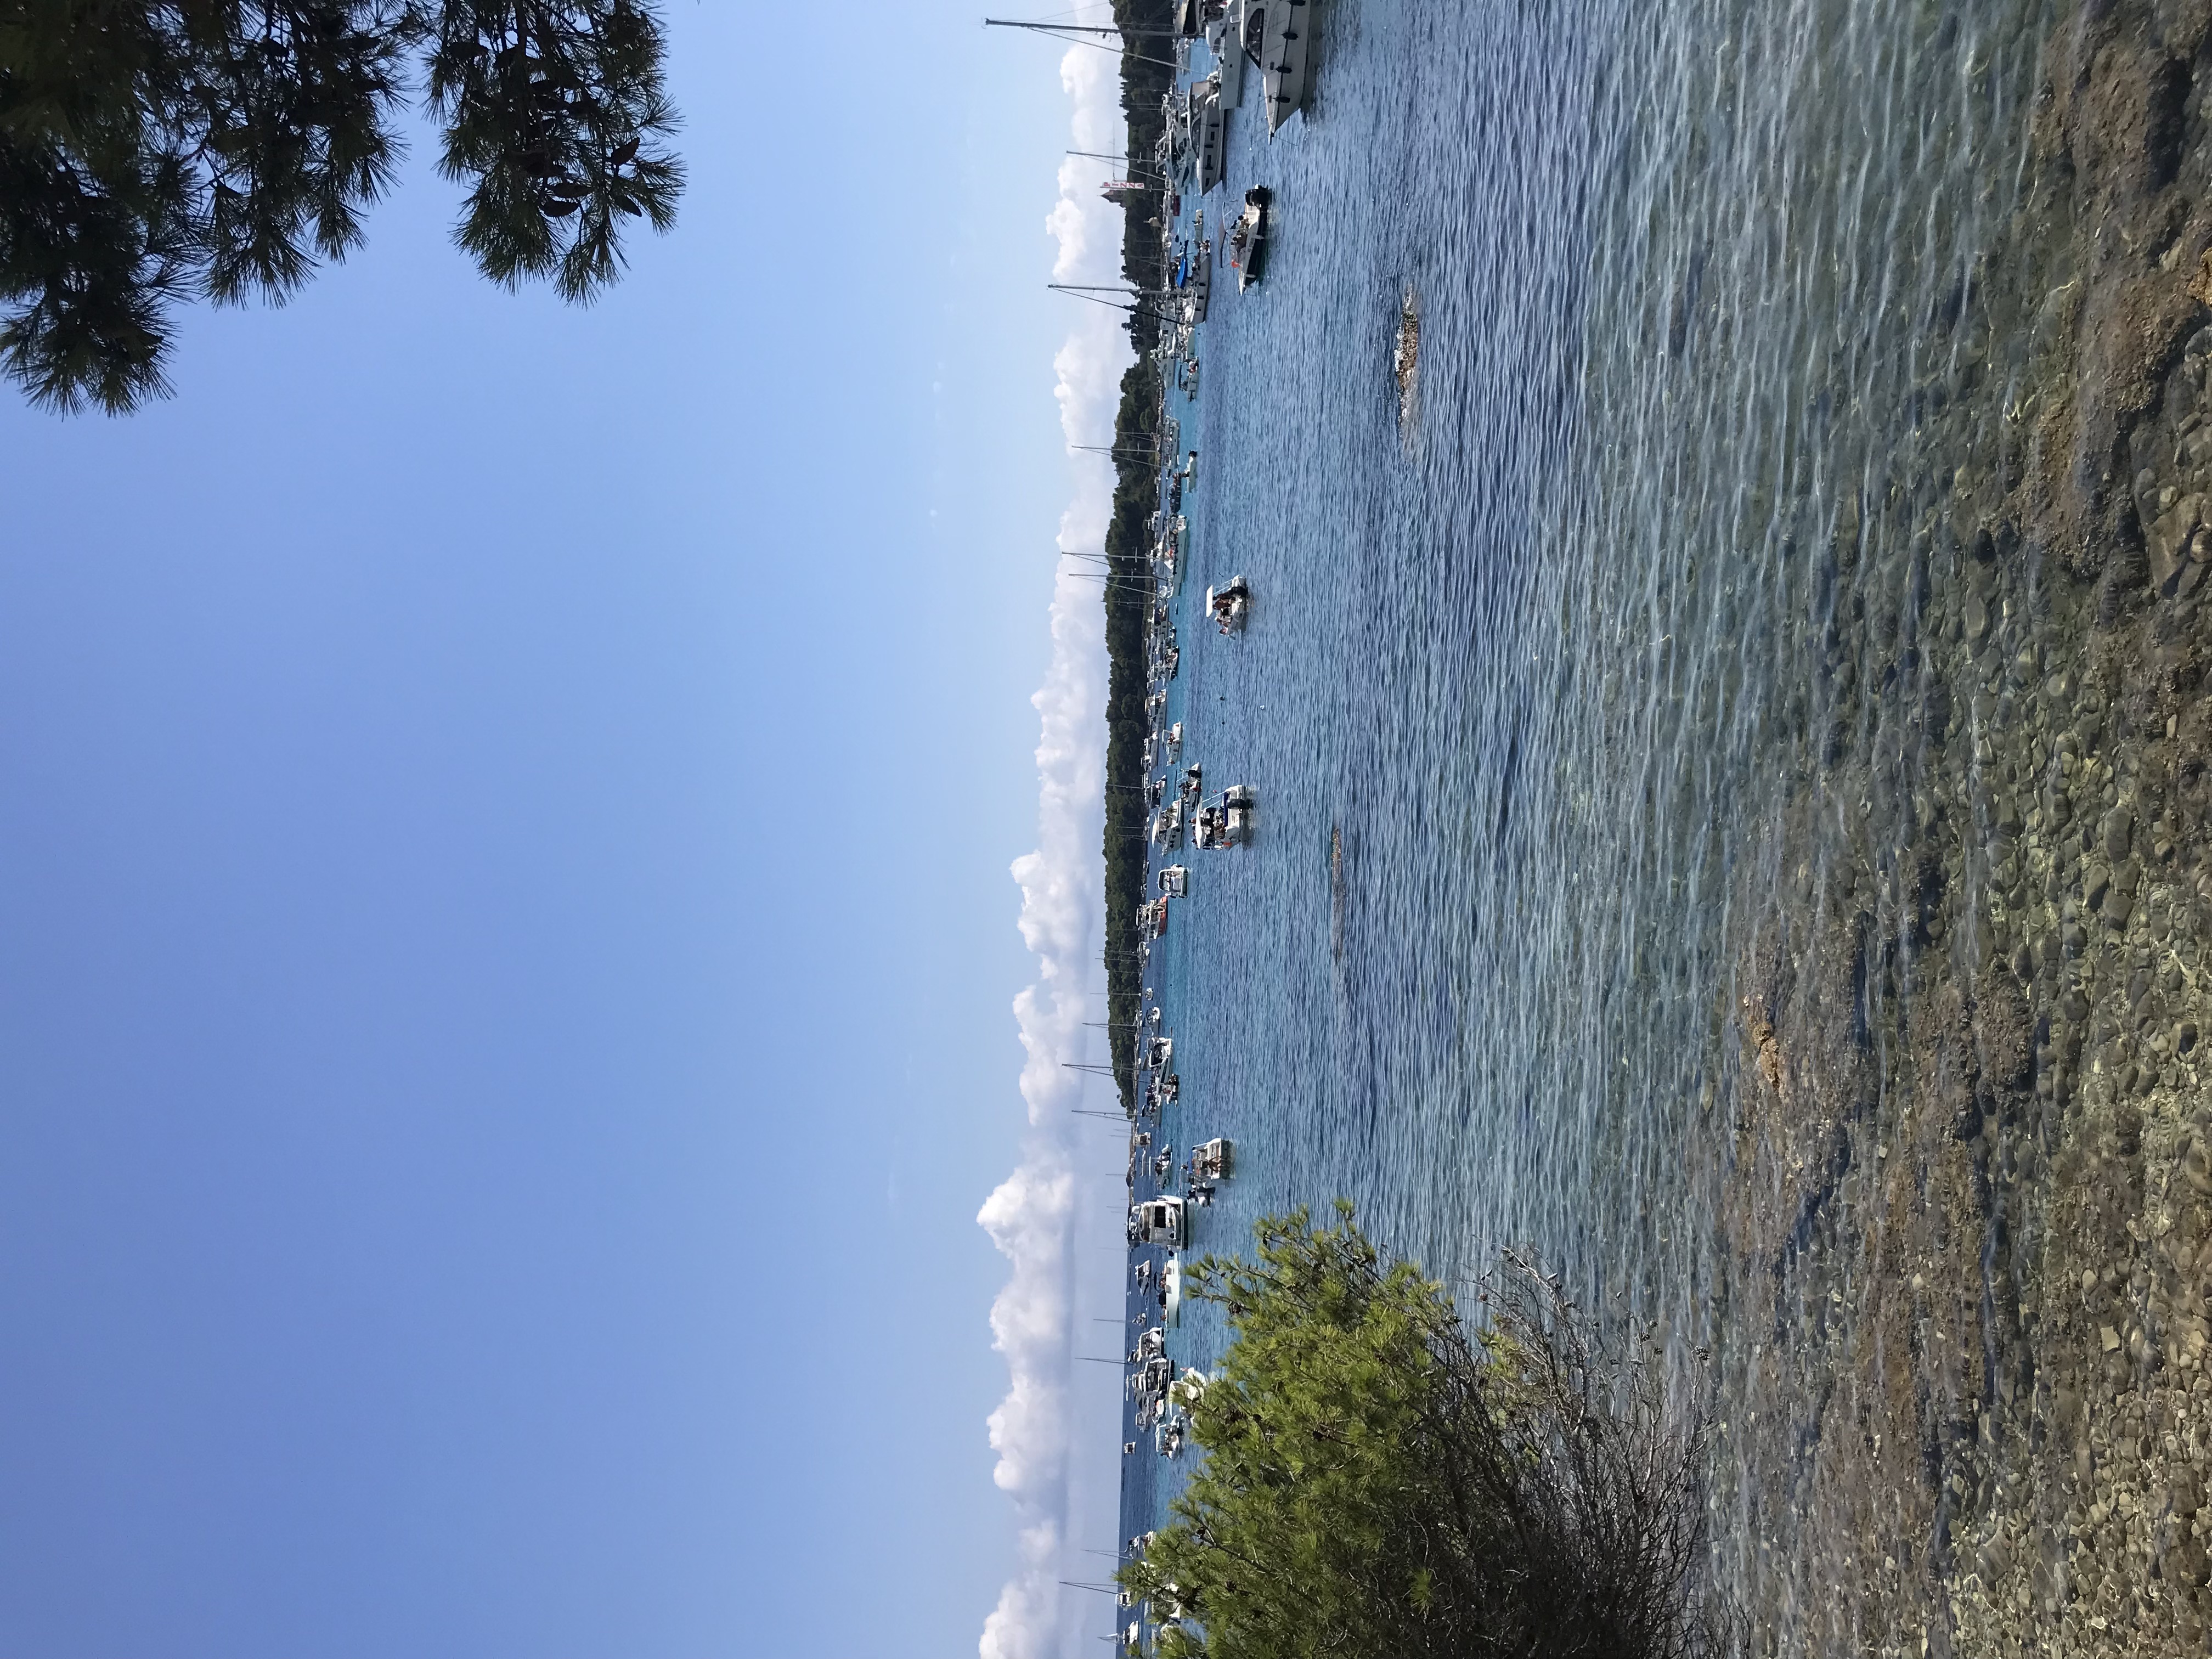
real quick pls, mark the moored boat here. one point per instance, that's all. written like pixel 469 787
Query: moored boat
pixel 1159 1221
pixel 1276 34
pixel 1228 58
pixel 1227 823
pixel 1229 604
pixel 1248 237
pixel 1209 134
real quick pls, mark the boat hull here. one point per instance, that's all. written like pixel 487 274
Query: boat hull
pixel 1283 46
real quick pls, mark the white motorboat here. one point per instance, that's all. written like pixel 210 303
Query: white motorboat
pixel 1209 136
pixel 1175 881
pixel 1275 34
pixel 1171 1292
pixel 1248 237
pixel 1228 58
pixel 1197 289
pixel 1239 804
pixel 1227 823
pixel 1167 826
pixel 1229 604
pixel 1214 1160
pixel 1160 1221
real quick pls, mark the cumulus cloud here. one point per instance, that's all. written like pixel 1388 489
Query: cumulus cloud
pixel 1032 1216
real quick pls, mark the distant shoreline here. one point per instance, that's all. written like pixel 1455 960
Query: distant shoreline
pixel 1128 537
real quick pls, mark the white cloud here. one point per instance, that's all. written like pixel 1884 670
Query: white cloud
pixel 1032 1216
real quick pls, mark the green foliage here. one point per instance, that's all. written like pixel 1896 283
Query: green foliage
pixel 1128 548
pixel 153 151
pixel 547 109
pixel 1377 1482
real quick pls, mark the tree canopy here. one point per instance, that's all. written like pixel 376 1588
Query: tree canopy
pixel 156 151
pixel 1377 1481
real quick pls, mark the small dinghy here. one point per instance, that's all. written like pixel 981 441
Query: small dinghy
pixel 1248 237
pixel 1230 605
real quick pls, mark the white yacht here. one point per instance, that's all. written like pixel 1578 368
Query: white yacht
pixel 1228 58
pixel 1275 34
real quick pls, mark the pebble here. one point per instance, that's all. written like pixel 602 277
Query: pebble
pixel 2196 1166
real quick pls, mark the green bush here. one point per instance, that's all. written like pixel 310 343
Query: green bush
pixel 1378 1481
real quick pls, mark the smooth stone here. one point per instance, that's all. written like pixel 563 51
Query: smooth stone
pixel 2196 1166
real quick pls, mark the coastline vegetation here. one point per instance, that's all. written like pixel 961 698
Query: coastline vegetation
pixel 1129 546
pixel 1378 1480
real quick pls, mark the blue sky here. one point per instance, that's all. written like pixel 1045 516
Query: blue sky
pixel 506 938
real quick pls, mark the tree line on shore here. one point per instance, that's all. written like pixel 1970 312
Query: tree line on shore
pixel 1144 81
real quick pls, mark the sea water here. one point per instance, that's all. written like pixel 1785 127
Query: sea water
pixel 1537 658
